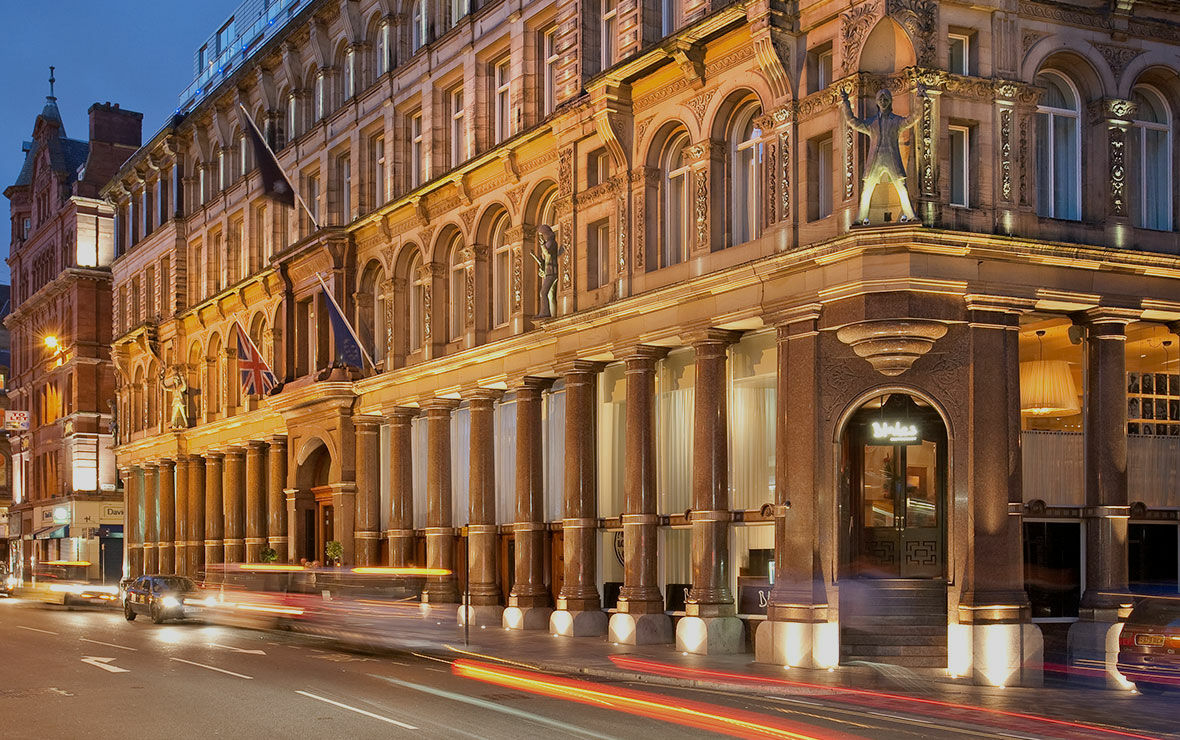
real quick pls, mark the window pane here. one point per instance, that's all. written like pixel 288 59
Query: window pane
pixel 1157 186
pixel 1065 168
pixel 958 141
pixel 1044 169
pixel 958 55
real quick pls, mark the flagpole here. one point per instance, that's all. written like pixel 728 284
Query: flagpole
pixel 315 224
pixel 347 323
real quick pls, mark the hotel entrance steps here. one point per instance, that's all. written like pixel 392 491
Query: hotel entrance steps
pixel 895 621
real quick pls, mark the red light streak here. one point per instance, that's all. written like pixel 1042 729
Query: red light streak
pixel 682 712
pixel 666 669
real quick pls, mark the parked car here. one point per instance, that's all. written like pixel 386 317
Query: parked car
pixel 1149 645
pixel 160 597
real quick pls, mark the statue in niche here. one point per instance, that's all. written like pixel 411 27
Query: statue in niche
pixel 547 269
pixel 173 381
pixel 884 163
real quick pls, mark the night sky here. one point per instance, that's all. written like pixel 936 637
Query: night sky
pixel 137 53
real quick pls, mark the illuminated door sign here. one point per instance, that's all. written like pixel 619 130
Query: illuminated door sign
pixel 61 515
pixel 895 432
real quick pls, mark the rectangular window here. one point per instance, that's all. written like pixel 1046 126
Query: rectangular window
pixel 417 155
pixel 598 170
pixel 458 10
pixel 671 20
pixel 598 252
pixel 609 32
pixel 377 153
pixel 303 348
pixel 313 199
pixel 455 110
pixel 819 177
pixel 222 170
pixel 225 36
pixel 292 117
pixel 549 58
pixel 243 156
pixel 1053 568
pixel 321 92
pixel 165 279
pixel 502 80
pixel 819 68
pixel 959 54
pixel 383 49
pixel 344 189
pixel 960 156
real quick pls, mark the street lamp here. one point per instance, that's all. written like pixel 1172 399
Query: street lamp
pixel 51 343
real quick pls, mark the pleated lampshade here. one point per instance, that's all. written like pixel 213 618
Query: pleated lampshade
pixel 1047 389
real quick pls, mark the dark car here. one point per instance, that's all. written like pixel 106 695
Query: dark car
pixel 1149 645
pixel 160 597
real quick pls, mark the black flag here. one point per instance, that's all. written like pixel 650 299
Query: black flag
pixel 275 184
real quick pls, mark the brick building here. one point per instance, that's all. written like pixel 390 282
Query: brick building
pixel 751 425
pixel 65 492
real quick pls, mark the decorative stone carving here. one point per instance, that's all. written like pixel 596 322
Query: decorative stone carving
pixel 514 197
pixel 701 204
pixel 1118 170
pixel 1006 153
pixel 771 176
pixel 517 278
pixel 855 25
pixel 621 221
pixel 884 162
pixel 468 217
pixel 920 19
pixel 565 172
pixel 1118 57
pixel 469 295
pixel 175 383
pixel 891 345
pixel 547 262
pixel 700 103
pixel 1023 161
pixel 1028 38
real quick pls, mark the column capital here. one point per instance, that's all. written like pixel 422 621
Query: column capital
pixel 367 423
pixel 529 383
pixel 165 462
pixel 152 465
pixel 400 414
pixel 640 355
pixel 786 317
pixel 233 451
pixel 254 444
pixel 711 337
pixel 569 367
pixel 484 395
pixel 212 454
pixel 436 404
pixel 277 440
pixel 1107 319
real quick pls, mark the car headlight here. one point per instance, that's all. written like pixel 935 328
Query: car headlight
pixel 10 582
pixel 170 602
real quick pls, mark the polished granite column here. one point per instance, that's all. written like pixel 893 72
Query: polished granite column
pixel 196 515
pixel 165 547
pixel 440 529
pixel 133 531
pixel 483 540
pixel 214 511
pixel 234 504
pixel 401 485
pixel 150 497
pixel 367 534
pixel 529 602
pixel 256 495
pixel 640 617
pixel 180 521
pixel 276 498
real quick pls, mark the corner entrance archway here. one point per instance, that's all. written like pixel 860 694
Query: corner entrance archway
pixel 895 473
pixel 311 506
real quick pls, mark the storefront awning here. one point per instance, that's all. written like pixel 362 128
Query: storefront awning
pixel 52 532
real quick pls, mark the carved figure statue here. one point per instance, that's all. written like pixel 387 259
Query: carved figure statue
pixel 113 405
pixel 884 164
pixel 174 382
pixel 547 264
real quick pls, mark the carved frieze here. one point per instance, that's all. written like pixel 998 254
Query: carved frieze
pixel 621 222
pixel 565 172
pixel 1118 169
pixel 891 345
pixel 849 162
pixel 920 19
pixel 567 249
pixel 771 176
pixel 1118 57
pixel 855 25
pixel 517 277
pixel 1006 153
pixel 701 204
pixel 698 104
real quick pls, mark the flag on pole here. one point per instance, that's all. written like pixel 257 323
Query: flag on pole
pixel 348 345
pixel 275 184
pixel 257 377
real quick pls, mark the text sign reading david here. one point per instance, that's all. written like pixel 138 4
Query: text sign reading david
pixel 895 432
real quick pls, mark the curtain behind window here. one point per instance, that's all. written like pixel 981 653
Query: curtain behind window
pixel 553 435
pixel 418 454
pixel 612 440
pixel 675 376
pixel 460 465
pixel 506 460
pixel 752 413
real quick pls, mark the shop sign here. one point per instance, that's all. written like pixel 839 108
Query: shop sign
pixel 61 515
pixel 16 421
pixel 97 513
pixel 753 598
pixel 895 432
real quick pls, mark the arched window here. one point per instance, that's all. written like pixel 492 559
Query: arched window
pixel 675 199
pixel 137 394
pixel 370 310
pixel 194 373
pixel 384 31
pixel 1059 152
pixel 745 156
pixel 457 278
pixel 1151 155
pixel 501 270
pixel 320 91
pixel 418 25
pixel 293 127
pixel 213 375
pixel 417 312
pixel 346 61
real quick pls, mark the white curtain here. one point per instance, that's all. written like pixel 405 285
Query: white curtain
pixel 612 440
pixel 418 453
pixel 674 419
pixel 1153 470
pixel 460 465
pixel 677 559
pixel 752 413
pixel 506 460
pixel 1053 468
pixel 553 434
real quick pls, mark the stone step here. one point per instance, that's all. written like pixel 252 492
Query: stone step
pixel 912 661
pixel 883 621
pixel 893 651
pixel 864 638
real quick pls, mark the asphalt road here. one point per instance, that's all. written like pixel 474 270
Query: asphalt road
pixel 82 672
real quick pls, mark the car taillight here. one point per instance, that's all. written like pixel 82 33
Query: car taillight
pixel 1126 638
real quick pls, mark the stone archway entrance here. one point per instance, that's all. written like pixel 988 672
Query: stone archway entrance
pixel 312 505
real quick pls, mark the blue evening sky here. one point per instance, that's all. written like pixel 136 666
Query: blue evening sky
pixel 137 53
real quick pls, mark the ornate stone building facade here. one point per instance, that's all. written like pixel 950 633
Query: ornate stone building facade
pixel 751 425
pixel 66 502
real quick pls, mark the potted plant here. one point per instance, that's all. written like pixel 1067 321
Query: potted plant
pixel 268 554
pixel 334 551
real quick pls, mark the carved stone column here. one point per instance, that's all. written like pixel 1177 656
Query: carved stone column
pixel 433 277
pixel 401 484
pixel 256 495
pixel 195 527
pixel 523 284
pixel 214 513
pixel 368 490
pixel 529 604
pixel 1105 598
pixel 579 607
pixel 166 484
pixel 440 529
pixel 483 540
pixel 707 158
pixel 640 619
pixel 276 499
pixel 133 532
pixel 180 521
pixel 1115 115
pixel 234 504
pixel 710 626
pixel 150 494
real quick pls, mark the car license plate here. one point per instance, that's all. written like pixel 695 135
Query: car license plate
pixel 1149 640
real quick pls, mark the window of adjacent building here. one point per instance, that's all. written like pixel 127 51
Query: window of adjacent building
pixel 149 291
pixel 293 115
pixel 959 54
pixel 1151 154
pixel 671 16
pixel 265 238
pixel 243 156
pixel 197 287
pixel 321 96
pixel 222 170
pixel 225 36
pixel 215 264
pixel 960 165
pixel 417 155
pixel 1059 154
pixel 745 151
pixel 598 253
pixel 349 73
pixel 501 271
pixel 502 81
pixel 26 227
pixel 313 198
pixel 550 58
pixel 377 156
pixel 456 113
pixel 609 31
pixel 598 168
pixel 819 177
pixel 819 67
pixel 677 210
pixel 458 10
pixel 344 187
pixel 418 25
pixel 457 274
pixel 383 49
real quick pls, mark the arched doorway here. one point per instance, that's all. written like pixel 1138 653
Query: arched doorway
pixel 314 514
pixel 894 480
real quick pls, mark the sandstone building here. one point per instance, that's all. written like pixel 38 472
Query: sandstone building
pixel 751 424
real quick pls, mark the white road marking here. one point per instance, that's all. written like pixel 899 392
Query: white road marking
pixel 108 644
pixel 238 649
pixel 34 629
pixel 212 668
pixel 310 695
pixel 104 663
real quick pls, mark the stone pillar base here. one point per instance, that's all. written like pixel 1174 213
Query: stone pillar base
pixel 1094 647
pixel 798 644
pixel 482 615
pixel 527 617
pixel 641 629
pixel 588 623
pixel 1007 654
pixel 710 635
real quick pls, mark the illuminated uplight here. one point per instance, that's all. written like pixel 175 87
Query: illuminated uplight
pixel 273 567
pixel 381 571
pixel 64 563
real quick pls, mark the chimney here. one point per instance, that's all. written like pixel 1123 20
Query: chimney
pixel 113 125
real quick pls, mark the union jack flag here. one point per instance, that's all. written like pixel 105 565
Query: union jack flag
pixel 257 377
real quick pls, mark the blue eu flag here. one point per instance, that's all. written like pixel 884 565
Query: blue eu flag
pixel 348 351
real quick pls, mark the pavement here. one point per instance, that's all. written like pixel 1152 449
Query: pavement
pixel 85 671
